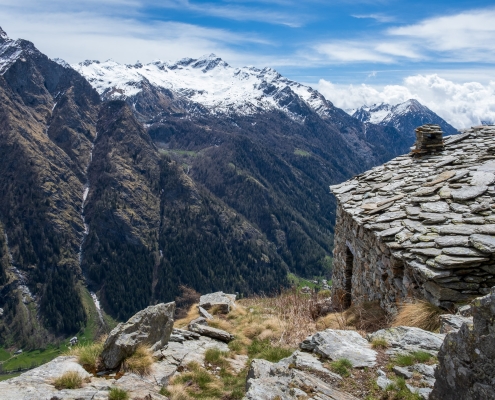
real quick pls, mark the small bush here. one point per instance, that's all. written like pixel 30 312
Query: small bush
pixel 341 367
pixel 420 314
pixel 379 343
pixel 118 394
pixel 69 380
pixel 140 362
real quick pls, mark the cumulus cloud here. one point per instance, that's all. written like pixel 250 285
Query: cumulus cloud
pixel 461 104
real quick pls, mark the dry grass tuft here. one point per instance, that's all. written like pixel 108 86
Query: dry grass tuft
pixel 88 354
pixel 193 313
pixel 69 380
pixel 420 314
pixel 176 392
pixel 140 362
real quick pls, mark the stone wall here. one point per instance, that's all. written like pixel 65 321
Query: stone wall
pixel 376 274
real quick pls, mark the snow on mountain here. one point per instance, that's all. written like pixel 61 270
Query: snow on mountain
pixel 404 116
pixel 10 51
pixel 209 81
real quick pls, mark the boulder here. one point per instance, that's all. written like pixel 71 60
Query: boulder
pixel 204 313
pixel 337 344
pixel 213 333
pixel 452 323
pixel 405 339
pixel 466 359
pixel 151 327
pixel 221 301
pixel 306 361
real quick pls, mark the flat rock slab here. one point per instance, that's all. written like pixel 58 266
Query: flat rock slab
pixel 405 339
pixel 468 192
pixel 213 333
pixel 223 302
pixel 435 207
pixel 151 326
pixel 337 344
pixel 451 241
pixel 484 243
pixel 307 361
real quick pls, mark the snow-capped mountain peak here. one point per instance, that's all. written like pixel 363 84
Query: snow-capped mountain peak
pixel 404 116
pixel 3 35
pixel 10 51
pixel 208 81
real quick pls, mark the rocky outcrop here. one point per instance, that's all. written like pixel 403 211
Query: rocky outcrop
pixel 151 326
pixel 221 301
pixel 293 378
pixel 406 339
pixel 452 323
pixel 466 367
pixel 336 344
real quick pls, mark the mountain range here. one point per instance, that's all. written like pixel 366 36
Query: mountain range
pixel 131 180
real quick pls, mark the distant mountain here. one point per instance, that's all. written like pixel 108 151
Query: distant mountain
pixel 131 180
pixel 404 117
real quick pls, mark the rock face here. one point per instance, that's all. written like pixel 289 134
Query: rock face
pixel 151 326
pixel 336 344
pixel 452 323
pixel 419 227
pixel 405 339
pixel 220 300
pixel 466 370
pixel 290 379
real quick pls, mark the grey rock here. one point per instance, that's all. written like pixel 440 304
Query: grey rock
pixel 465 370
pixel 417 199
pixel 390 232
pixel 423 392
pixel 479 207
pixel 432 218
pixel 403 372
pixel 188 335
pixel 458 262
pixel 442 293
pixel 204 313
pixel 268 381
pixel 199 321
pixel 426 191
pixel 482 178
pixel 465 310
pixel 383 382
pixel 468 192
pixel 391 216
pixel 459 208
pixel 337 344
pixel 462 251
pixel 426 272
pixel 452 323
pixel 342 189
pixel 307 361
pixel 430 252
pixel 460 229
pixel 213 333
pixel 220 300
pixel 484 243
pixel 151 326
pixel 435 207
pixel 408 339
pixel 450 241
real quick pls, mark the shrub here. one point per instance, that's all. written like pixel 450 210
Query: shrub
pixel 140 362
pixel 379 343
pixel 118 394
pixel 68 380
pixel 420 314
pixel 341 367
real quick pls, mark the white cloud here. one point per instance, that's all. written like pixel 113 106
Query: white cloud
pixel 377 17
pixel 461 104
pixel 464 37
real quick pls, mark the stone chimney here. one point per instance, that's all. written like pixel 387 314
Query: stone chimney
pixel 429 139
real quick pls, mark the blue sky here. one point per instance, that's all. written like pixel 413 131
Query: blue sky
pixel 373 43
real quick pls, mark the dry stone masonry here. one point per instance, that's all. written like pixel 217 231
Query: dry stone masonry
pixel 421 225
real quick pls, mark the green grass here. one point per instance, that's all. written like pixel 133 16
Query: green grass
pixel 216 357
pixel 341 367
pixel 30 359
pixel 379 343
pixel 4 355
pixel 401 390
pixel 9 376
pixel 205 382
pixel 408 359
pixel 118 394
pixel 180 152
pixel 302 153
pixel 265 350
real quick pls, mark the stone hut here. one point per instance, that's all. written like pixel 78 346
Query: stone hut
pixel 419 226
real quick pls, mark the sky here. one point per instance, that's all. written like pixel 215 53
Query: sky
pixel 354 52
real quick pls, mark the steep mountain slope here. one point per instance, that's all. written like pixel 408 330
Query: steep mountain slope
pixel 160 175
pixel 46 130
pixel 405 117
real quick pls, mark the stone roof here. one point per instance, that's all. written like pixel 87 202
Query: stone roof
pixel 434 211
